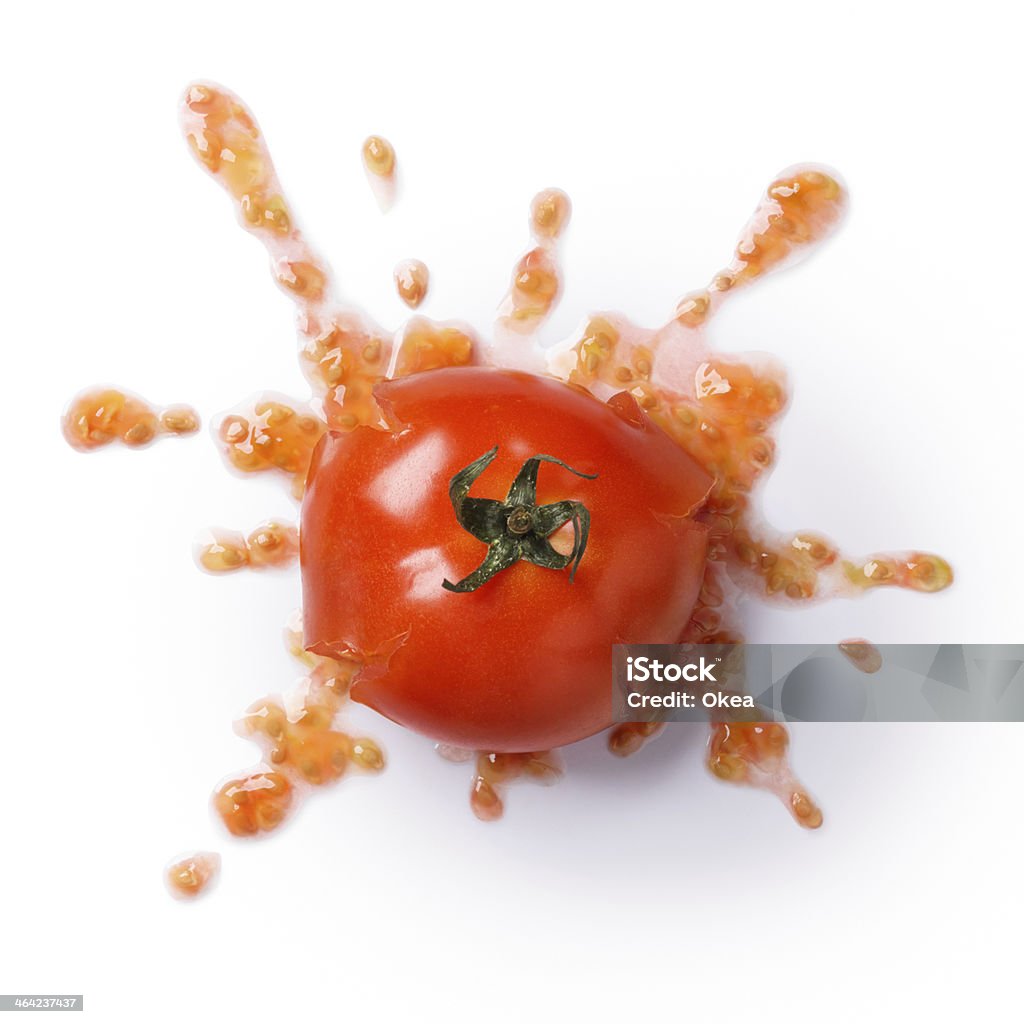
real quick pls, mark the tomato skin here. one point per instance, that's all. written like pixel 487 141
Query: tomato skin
pixel 524 662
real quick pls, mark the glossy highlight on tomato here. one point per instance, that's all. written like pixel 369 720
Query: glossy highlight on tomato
pixel 524 662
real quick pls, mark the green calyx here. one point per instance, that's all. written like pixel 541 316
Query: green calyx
pixel 516 528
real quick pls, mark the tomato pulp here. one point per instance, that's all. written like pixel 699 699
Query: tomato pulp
pixel 523 663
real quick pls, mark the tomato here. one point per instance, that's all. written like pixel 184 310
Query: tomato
pixel 523 661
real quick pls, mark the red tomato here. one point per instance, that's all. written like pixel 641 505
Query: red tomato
pixel 523 663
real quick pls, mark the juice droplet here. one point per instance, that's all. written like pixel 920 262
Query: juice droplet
pixel 272 545
pixel 453 754
pixel 306 280
pixel 179 420
pixel 380 165
pixel 916 570
pixel 298 732
pixel 801 208
pixel 366 754
pixel 253 803
pixel 535 287
pixel 300 738
pixel 628 738
pixel 862 654
pixel 271 433
pixel 426 345
pixel 549 214
pixel 607 353
pixel 805 811
pixel 754 754
pixel 191 876
pixel 494 772
pixel 484 800
pixel 347 362
pixel 500 768
pixel 101 416
pixel 412 279
pixel 537 277
pixel 379 156
pixel 693 308
pixel 302 744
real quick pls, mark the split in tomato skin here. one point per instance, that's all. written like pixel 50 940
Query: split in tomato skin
pixel 524 662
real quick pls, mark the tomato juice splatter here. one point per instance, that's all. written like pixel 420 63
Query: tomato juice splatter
pixel 719 409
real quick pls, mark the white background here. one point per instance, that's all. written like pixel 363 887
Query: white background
pixel 633 888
